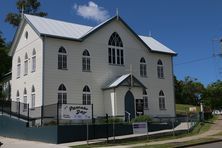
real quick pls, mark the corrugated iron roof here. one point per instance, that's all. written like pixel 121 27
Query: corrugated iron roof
pixel 51 27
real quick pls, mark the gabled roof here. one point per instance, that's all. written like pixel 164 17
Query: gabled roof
pixel 121 79
pixel 71 31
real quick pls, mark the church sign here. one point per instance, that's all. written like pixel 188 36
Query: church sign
pixel 76 112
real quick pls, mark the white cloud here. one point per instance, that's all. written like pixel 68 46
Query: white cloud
pixel 91 11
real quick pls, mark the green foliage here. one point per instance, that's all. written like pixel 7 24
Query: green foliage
pixel 187 90
pixel 142 118
pixel 28 7
pixel 5 60
pixel 213 95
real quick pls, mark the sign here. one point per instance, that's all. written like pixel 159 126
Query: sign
pixel 140 128
pixel 76 112
pixel 139 107
pixel 192 109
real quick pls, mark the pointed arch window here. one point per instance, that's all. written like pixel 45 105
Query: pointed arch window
pixel 115 50
pixel 33 60
pixel 86 96
pixel 86 60
pixel 18 67
pixel 33 97
pixel 145 100
pixel 160 72
pixel 62 94
pixel 26 64
pixel 17 101
pixel 62 58
pixel 143 70
pixel 17 96
pixel 162 105
pixel 25 101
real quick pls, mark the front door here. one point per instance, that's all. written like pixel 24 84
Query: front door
pixel 129 106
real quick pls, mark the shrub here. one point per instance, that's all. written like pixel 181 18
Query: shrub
pixel 142 118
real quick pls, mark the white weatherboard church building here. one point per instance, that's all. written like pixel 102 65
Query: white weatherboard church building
pixel 109 66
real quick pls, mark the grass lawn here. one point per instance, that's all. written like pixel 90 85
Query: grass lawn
pixel 184 108
pixel 200 128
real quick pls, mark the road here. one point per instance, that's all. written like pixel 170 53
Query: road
pixel 211 145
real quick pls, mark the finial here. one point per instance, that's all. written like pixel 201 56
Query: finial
pixel 22 13
pixel 150 33
pixel 117 13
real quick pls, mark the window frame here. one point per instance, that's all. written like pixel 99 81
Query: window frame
pixel 115 50
pixel 162 101
pixel 86 96
pixel 62 59
pixel 33 60
pixel 18 68
pixel 62 95
pixel 25 100
pixel 143 67
pixel 160 71
pixel 86 61
pixel 26 64
pixel 145 100
pixel 33 97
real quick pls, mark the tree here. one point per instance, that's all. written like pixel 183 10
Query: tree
pixel 212 97
pixel 5 60
pixel 187 91
pixel 28 7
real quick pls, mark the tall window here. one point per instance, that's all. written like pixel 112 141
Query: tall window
pixel 161 100
pixel 86 96
pixel 145 100
pixel 62 94
pixel 33 97
pixel 25 101
pixel 115 50
pixel 143 72
pixel 18 67
pixel 85 61
pixel 33 60
pixel 62 58
pixel 26 64
pixel 160 73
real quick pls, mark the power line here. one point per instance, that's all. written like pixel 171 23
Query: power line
pixel 196 60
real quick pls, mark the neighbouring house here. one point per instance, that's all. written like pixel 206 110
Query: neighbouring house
pixel 109 65
pixel 5 86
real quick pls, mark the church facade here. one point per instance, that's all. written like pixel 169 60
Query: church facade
pixel 109 66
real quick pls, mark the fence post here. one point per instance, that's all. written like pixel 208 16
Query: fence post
pixel 2 107
pixel 58 113
pixel 107 128
pixel 173 127
pixel 28 116
pixel 19 111
pixel 10 108
pixel 42 109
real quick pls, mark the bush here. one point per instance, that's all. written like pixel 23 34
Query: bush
pixel 142 118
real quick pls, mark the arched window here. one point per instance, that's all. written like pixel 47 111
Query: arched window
pixel 62 58
pixel 162 100
pixel 33 97
pixel 17 101
pixel 85 60
pixel 25 101
pixel 18 67
pixel 26 64
pixel 143 72
pixel 145 100
pixel 33 60
pixel 160 72
pixel 86 96
pixel 115 50
pixel 62 94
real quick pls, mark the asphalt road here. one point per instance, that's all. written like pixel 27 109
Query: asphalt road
pixel 211 145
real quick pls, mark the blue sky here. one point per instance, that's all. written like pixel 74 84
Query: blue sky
pixel 186 26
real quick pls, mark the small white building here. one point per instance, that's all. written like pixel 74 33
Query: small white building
pixel 108 65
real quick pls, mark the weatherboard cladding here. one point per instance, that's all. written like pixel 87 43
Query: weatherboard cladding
pixel 61 29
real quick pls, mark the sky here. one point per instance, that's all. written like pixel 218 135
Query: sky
pixel 192 28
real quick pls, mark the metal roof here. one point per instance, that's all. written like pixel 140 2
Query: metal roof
pixel 56 28
pixel 155 45
pixel 116 82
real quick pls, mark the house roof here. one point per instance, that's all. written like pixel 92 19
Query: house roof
pixel 121 79
pixel 72 31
